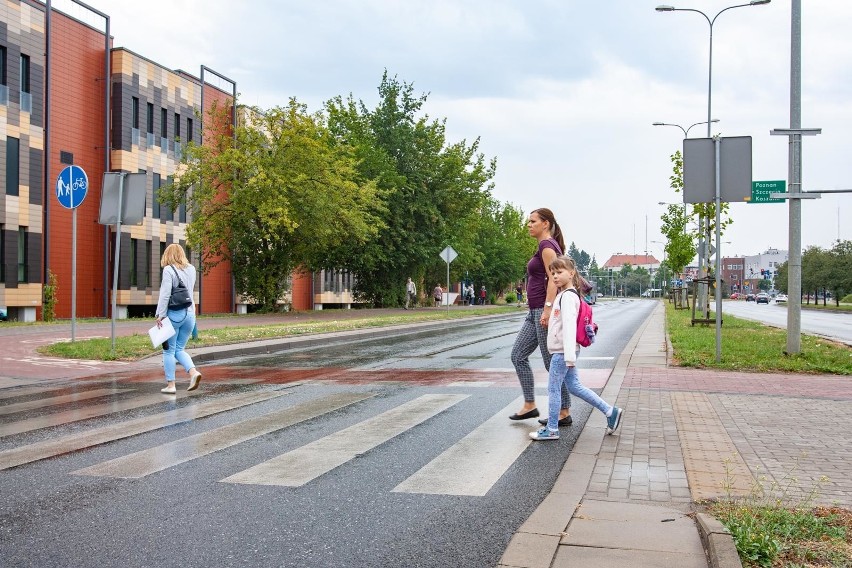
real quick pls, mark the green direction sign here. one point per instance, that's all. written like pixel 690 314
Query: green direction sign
pixel 760 191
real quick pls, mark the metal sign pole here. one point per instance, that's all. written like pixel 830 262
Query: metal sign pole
pixel 117 247
pixel 448 290
pixel 73 271
pixel 718 294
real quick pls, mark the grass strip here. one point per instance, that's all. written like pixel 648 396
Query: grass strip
pixel 138 346
pixel 751 346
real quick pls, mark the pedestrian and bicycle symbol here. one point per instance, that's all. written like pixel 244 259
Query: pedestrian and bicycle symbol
pixel 72 186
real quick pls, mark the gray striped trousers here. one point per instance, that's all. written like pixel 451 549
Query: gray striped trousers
pixel 532 335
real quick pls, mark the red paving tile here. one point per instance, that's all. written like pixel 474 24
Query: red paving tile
pixel 681 379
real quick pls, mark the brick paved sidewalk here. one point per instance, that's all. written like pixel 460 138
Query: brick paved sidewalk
pixel 688 435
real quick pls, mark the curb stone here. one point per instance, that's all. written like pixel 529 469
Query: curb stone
pixel 718 542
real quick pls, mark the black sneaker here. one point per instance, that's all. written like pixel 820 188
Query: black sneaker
pixel 567 421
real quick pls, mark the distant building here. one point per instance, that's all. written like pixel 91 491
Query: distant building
pixel 762 266
pixel 646 261
pixel 733 273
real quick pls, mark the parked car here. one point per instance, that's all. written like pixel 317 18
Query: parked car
pixel 749 297
pixel 762 298
pixel 4 315
pixel 735 296
pixel 781 299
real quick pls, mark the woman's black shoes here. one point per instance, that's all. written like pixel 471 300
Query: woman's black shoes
pixel 526 415
pixel 567 421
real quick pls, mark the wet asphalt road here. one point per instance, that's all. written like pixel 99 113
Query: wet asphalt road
pixel 188 515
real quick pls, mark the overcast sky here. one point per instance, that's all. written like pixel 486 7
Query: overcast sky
pixel 562 92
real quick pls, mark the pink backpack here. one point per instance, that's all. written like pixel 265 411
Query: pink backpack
pixel 586 327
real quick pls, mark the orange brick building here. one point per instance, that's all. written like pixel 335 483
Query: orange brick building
pixel 110 110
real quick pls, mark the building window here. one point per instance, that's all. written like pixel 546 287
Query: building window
pixel 134 244
pixel 4 89
pixel 149 125
pixel 177 126
pixel 148 261
pixel 3 65
pixel 134 112
pixel 26 97
pixel 13 158
pixel 189 130
pixel 22 254
pixel 134 120
pixel 155 204
pixel 25 73
pixel 2 253
pixel 164 123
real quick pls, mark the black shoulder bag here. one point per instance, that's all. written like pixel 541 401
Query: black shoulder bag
pixel 181 297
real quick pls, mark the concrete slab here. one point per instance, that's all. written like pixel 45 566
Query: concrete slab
pixel 583 557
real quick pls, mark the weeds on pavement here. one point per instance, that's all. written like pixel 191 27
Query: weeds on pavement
pixel 775 525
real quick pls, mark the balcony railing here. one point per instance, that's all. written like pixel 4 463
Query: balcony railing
pixel 26 102
pixel 4 94
pixel 149 139
pixel 134 136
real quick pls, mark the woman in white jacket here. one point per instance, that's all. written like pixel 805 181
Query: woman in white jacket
pixel 562 344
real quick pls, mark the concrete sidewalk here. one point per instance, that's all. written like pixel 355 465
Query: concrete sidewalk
pixel 687 435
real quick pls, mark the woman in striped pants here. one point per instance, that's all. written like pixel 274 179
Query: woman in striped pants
pixel 541 291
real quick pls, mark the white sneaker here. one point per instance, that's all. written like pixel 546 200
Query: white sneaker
pixel 194 379
pixel 170 389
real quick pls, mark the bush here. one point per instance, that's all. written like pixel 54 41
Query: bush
pixel 48 306
pixel 846 299
pixel 511 298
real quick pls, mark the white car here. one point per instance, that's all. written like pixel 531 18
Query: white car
pixel 781 299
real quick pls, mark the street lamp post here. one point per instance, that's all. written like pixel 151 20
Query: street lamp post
pixel 686 130
pixel 710 22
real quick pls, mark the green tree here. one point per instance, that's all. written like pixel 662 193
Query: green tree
pixel 280 196
pixel 434 193
pixel 505 246
pixel 680 243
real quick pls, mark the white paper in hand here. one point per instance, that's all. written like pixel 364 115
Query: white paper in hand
pixel 160 334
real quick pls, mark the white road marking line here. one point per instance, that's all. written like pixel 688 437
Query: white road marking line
pixel 476 462
pixel 298 467
pixel 68 416
pixel 14 393
pixel 146 462
pixel 54 400
pixel 104 434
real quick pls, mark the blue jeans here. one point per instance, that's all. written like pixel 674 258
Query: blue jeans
pixel 183 322
pixel 561 375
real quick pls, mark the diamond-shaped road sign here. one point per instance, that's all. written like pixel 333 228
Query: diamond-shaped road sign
pixel 449 254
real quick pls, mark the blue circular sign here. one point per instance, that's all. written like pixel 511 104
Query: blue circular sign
pixel 72 186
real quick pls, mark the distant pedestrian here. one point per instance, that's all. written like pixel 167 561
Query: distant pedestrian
pixel 541 291
pixel 468 294
pixel 519 289
pixel 482 294
pixel 410 293
pixel 438 295
pixel 562 344
pixel 177 270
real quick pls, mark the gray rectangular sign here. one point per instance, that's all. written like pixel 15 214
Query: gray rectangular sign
pixel 699 169
pixel 132 203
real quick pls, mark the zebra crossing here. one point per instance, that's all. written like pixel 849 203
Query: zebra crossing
pixel 469 467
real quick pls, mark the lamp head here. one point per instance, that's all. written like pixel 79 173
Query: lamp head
pixel 759 2
pixel 665 8
pixel 659 124
pixel 715 120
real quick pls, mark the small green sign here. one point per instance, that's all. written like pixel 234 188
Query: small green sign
pixel 760 191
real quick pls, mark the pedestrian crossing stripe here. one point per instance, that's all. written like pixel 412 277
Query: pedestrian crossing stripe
pixel 302 465
pixel 25 391
pixel 146 462
pixel 474 464
pixel 72 442
pixel 54 400
pixel 77 414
